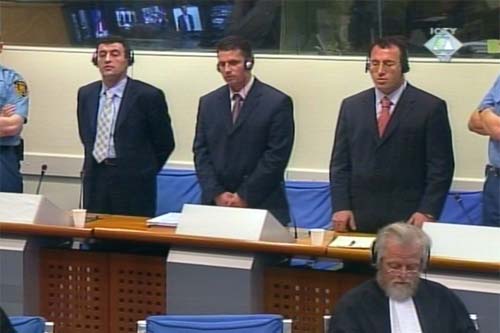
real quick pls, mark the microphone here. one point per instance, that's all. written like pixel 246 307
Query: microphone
pixel 80 200
pixel 458 198
pixel 40 179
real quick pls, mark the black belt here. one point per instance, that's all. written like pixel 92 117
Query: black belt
pixel 490 169
pixel 110 162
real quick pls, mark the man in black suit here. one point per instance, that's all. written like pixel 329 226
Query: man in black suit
pixel 398 299
pixel 125 129
pixel 185 21
pixel 244 136
pixel 393 157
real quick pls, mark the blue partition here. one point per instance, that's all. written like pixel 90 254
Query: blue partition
pixel 310 203
pixel 175 188
pixel 215 324
pixel 463 208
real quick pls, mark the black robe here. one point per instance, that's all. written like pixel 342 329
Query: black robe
pixel 365 309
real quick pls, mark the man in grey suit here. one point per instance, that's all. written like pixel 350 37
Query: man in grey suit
pixel 392 158
pixel 244 136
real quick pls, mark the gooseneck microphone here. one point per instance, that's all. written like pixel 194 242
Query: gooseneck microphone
pixel 40 179
pixel 458 198
pixel 80 200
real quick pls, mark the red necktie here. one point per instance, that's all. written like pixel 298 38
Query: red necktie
pixel 385 115
pixel 236 106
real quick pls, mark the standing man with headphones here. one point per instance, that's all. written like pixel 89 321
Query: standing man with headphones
pixel 125 129
pixel 244 136
pixel 392 159
pixel 398 300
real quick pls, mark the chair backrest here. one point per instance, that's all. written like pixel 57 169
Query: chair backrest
pixel 29 324
pixel 310 203
pixel 176 187
pixel 216 323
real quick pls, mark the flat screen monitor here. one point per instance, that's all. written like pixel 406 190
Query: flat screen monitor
pixel 187 18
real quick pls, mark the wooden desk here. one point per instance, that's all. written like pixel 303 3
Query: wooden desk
pixel 135 229
pixel 103 292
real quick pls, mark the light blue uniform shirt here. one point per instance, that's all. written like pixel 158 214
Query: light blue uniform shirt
pixel 492 99
pixel 13 90
pixel 117 92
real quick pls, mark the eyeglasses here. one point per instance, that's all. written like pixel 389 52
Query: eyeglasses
pixel 230 64
pixel 399 269
pixel 386 64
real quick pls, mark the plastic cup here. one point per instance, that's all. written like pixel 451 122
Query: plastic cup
pixel 317 236
pixel 79 217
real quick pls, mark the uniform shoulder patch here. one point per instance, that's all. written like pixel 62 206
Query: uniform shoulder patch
pixel 21 88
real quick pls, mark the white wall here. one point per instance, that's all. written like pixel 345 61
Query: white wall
pixel 317 85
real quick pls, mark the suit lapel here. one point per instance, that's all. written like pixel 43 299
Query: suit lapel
pixel 370 113
pixel 402 109
pixel 129 94
pixel 249 104
pixel 225 109
pixel 94 108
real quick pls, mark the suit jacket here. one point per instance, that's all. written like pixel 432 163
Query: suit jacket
pixel 143 134
pixel 365 309
pixel 409 169
pixel 182 23
pixel 250 156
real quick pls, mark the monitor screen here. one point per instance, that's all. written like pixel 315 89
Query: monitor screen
pixel 187 18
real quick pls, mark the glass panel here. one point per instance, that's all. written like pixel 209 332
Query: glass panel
pixel 329 27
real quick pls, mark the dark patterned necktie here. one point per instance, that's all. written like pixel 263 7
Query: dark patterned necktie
pixel 238 101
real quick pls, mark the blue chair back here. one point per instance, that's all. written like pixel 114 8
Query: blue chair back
pixel 463 208
pixel 176 187
pixel 27 324
pixel 215 324
pixel 310 203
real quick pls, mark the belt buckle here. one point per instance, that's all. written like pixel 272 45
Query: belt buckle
pixel 109 162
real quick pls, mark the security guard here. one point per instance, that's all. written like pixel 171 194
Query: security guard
pixel 13 114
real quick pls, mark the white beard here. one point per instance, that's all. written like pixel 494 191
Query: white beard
pixel 398 292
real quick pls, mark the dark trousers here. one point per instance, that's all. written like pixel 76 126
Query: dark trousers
pixel 491 197
pixel 10 177
pixel 110 190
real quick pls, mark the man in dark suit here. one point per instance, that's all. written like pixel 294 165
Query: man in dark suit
pixel 244 136
pixel 125 129
pixel 392 158
pixel 185 21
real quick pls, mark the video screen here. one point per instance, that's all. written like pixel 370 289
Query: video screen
pixel 219 16
pixel 187 19
pixel 87 24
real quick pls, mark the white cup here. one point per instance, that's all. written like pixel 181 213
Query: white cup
pixel 317 236
pixel 79 217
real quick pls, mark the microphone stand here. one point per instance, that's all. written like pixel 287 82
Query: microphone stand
pixel 42 174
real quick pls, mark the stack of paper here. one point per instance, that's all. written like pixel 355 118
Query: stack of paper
pixel 352 242
pixel 165 220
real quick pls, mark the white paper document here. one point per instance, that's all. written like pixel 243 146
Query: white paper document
pixel 165 220
pixel 352 242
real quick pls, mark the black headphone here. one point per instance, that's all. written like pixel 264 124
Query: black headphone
pixel 248 64
pixel 374 256
pixel 405 64
pixel 129 56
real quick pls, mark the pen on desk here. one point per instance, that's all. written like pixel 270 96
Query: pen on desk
pixel 352 243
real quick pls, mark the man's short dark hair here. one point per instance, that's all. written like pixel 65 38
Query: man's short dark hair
pixel 397 41
pixel 231 43
pixel 115 39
